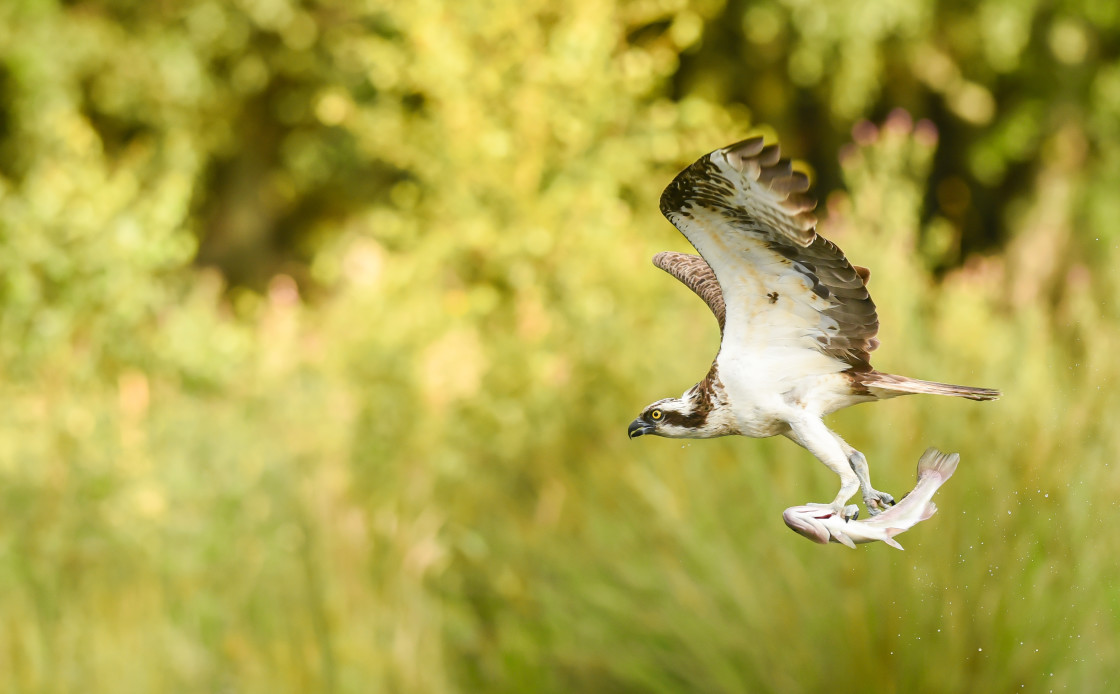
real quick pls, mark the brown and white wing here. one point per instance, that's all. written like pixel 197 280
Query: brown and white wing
pixel 784 286
pixel 697 275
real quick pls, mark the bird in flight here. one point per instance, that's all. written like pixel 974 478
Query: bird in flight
pixel 797 323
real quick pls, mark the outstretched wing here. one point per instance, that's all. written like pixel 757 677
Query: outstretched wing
pixel 697 275
pixel 784 286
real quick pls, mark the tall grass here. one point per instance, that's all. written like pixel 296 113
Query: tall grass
pixel 418 479
pixel 432 491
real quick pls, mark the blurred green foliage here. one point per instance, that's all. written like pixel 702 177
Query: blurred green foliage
pixel 322 324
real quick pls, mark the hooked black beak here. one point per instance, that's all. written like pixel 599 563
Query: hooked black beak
pixel 638 428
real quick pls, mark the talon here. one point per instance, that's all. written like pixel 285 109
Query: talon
pixel 850 512
pixel 877 502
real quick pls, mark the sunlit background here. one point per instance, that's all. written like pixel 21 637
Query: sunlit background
pixel 321 324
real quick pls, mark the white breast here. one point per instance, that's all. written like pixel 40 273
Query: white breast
pixel 766 390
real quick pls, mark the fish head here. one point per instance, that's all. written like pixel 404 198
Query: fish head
pixel 807 521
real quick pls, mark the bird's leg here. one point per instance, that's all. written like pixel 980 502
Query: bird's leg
pixel 816 438
pixel 875 500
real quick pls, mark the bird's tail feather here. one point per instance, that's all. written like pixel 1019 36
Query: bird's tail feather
pixel 901 385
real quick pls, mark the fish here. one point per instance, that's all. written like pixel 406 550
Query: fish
pixel 823 526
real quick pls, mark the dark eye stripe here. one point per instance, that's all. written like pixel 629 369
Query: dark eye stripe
pixel 690 421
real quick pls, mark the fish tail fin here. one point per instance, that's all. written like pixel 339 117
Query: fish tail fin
pixel 889 539
pixel 843 539
pixel 934 461
pixel 891 385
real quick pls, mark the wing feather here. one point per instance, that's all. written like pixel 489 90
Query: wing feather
pixel 781 284
pixel 697 275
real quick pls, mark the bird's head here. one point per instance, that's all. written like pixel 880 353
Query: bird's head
pixel 672 417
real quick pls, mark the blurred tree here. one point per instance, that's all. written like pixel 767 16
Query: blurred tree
pixel 417 480
pixel 270 97
pixel 998 78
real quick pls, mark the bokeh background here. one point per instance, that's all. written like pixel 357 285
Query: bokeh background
pixel 321 324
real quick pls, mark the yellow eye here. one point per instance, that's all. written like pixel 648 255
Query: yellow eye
pixel 655 415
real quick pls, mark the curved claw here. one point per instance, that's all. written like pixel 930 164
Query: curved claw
pixel 877 502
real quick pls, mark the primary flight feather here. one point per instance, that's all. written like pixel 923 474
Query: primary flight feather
pixel 797 323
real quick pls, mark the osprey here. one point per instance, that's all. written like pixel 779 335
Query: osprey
pixel 796 320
